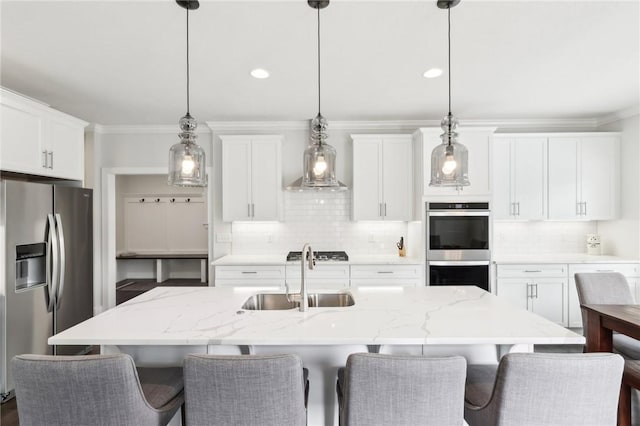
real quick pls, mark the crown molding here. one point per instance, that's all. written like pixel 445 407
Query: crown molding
pixel 248 126
pixel 619 115
pixel 219 127
pixel 123 129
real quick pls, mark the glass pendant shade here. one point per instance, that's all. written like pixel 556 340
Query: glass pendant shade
pixel 450 159
pixel 187 165
pixel 319 162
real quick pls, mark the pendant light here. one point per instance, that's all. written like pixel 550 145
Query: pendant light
pixel 449 160
pixel 319 158
pixel 187 166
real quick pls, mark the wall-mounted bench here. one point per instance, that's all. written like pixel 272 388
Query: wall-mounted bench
pixel 162 262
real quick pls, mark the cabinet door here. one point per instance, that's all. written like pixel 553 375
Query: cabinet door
pixel 66 141
pixel 186 232
pixel 367 179
pixel 547 299
pixel 236 179
pixel 21 139
pixel 529 178
pixel 563 178
pixel 598 190
pixel 502 207
pixel 515 291
pixel 397 178
pixel 266 180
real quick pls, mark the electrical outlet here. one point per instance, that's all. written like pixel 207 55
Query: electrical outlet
pixel 223 237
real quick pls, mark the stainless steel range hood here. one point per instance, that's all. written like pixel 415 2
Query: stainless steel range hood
pixel 297 186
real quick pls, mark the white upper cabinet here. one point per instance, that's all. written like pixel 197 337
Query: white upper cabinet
pixel 478 143
pixel 382 177
pixel 519 177
pixel 39 140
pixel 584 176
pixel 251 178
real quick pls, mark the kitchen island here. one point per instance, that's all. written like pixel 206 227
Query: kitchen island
pixel 161 326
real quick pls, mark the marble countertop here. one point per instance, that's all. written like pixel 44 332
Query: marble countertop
pixel 400 315
pixel 561 258
pixel 261 260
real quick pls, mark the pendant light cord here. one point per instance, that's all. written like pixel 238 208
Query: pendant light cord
pixel 449 52
pixel 187 60
pixel 318 60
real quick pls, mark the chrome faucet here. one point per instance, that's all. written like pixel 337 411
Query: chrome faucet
pixel 303 296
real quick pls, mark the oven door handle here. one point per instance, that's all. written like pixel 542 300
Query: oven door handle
pixel 460 263
pixel 458 213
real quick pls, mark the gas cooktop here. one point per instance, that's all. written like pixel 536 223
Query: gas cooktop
pixel 320 256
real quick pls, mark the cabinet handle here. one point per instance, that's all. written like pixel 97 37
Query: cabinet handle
pixel 249 272
pixel 532 270
pixel 253 210
pixel 51 159
pixel 518 211
pixel 585 208
pixel 248 210
pixel 536 287
pixel 528 291
pixel 385 209
pixel 604 270
pixel 385 272
pixel 45 163
pixel 380 209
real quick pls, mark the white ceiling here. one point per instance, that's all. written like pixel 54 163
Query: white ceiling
pixel 116 62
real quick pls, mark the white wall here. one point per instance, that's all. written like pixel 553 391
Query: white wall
pixel 322 219
pixel 541 237
pixel 622 237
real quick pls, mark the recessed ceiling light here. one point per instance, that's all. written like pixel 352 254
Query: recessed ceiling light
pixel 432 73
pixel 259 73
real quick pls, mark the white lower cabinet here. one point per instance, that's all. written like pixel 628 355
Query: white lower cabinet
pixel 541 289
pixel 386 275
pixel 629 270
pixel 250 276
pixel 321 277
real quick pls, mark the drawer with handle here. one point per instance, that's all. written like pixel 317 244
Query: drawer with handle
pixel 385 271
pixel 626 269
pixel 549 270
pixel 249 272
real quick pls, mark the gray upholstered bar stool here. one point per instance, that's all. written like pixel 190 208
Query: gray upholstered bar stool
pixel 94 389
pixel 543 389
pixel 377 389
pixel 608 288
pixel 245 390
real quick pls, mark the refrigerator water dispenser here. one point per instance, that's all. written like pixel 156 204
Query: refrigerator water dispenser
pixel 31 262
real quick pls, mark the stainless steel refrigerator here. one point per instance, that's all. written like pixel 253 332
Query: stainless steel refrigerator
pixel 46 268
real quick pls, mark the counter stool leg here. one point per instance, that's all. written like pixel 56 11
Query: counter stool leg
pixel 624 406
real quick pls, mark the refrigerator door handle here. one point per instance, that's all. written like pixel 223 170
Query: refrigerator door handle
pixel 63 261
pixel 52 262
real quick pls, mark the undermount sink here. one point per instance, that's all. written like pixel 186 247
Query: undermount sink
pixel 278 301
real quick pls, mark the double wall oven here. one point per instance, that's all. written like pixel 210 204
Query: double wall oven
pixel 458 244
